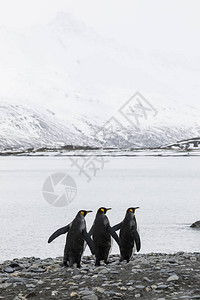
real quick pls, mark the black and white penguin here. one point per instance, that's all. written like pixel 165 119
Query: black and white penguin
pixel 129 236
pixel 101 232
pixel 76 236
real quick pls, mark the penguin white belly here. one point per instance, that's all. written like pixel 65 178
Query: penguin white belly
pixel 134 248
pixel 111 246
pixel 84 246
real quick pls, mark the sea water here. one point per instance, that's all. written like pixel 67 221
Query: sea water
pixel 167 190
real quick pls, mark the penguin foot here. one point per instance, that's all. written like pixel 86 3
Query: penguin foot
pixel 97 263
pixel 107 262
pixel 65 264
pixel 71 262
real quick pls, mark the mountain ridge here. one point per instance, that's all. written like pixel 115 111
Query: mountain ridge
pixel 61 83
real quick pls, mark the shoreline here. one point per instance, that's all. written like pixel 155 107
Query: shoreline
pixel 146 276
pixel 101 152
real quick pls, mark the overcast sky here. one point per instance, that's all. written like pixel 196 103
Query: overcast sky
pixel 167 25
pixel 166 31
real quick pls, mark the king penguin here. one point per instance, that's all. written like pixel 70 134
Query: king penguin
pixel 75 239
pixel 129 236
pixel 101 232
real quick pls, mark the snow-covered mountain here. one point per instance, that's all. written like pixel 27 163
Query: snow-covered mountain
pixel 63 84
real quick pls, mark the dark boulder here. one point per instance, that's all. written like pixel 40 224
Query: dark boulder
pixel 196 224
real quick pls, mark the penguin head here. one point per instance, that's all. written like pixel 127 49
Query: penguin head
pixel 84 212
pixel 103 210
pixel 132 209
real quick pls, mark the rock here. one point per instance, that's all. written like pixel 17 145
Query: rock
pixel 170 271
pixel 40 282
pixel 147 279
pixel 114 263
pixel 140 287
pixel 5 285
pixel 74 294
pixel 154 287
pixel 90 297
pixel 97 269
pixel 117 283
pixel 103 271
pixel 30 295
pixel 70 283
pixel 148 289
pixel 14 265
pixel 86 292
pixel 30 285
pixel 196 224
pixel 193 258
pixel 54 293
pixel 137 266
pixel 172 261
pixel 73 287
pixel 134 271
pixel 100 290
pixel 173 278
pixel 162 286
pixel 118 295
pixel 75 272
pixel 130 283
pixel 9 270
pixel 16 280
pixel 77 277
pixel 36 269
pixel 110 293
pixel 91 283
pixel 114 272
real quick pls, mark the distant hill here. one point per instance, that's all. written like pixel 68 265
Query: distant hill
pixel 188 144
pixel 63 84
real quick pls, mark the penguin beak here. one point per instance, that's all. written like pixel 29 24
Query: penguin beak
pixel 89 211
pixel 136 207
pixel 108 208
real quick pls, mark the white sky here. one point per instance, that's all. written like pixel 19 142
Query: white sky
pixel 167 30
pixel 166 25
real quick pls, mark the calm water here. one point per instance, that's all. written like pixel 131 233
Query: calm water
pixel 167 189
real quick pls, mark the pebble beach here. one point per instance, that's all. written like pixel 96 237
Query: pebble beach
pixel 152 276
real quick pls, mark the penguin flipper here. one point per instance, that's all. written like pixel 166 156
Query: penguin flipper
pixel 113 234
pixel 137 240
pixel 58 232
pixel 91 231
pixel 117 226
pixel 89 241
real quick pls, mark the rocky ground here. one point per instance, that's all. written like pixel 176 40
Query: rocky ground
pixel 147 276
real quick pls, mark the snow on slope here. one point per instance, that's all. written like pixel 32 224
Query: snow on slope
pixel 25 127
pixel 61 82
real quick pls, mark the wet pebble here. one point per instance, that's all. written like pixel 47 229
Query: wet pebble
pixel 147 276
pixel 173 278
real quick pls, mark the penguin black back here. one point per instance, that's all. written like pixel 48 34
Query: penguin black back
pixel 101 233
pixel 75 239
pixel 129 236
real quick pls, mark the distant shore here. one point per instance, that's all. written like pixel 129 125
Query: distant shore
pixel 146 276
pixel 48 152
